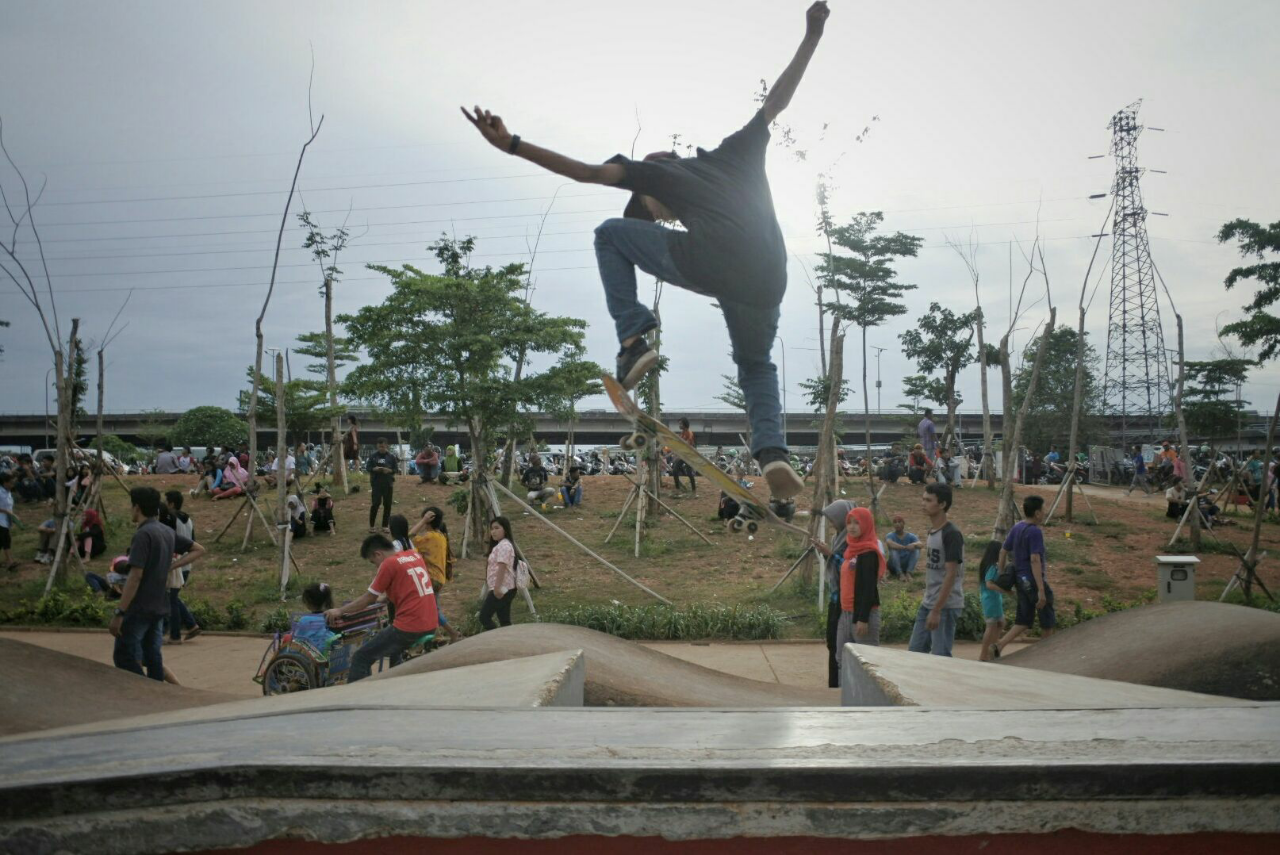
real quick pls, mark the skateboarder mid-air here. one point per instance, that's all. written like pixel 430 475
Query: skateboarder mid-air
pixel 731 248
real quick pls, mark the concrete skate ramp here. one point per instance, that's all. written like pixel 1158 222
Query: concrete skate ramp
pixel 1214 648
pixel 43 688
pixel 618 672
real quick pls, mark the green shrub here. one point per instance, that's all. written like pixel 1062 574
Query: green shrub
pixel 277 620
pixel 459 499
pixel 898 617
pixel 666 623
pixel 237 617
pixel 207 615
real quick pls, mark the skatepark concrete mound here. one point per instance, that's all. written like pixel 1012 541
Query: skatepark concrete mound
pixel 619 672
pixel 1214 648
pixel 44 688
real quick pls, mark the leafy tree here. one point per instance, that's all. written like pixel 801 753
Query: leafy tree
pixel 1048 419
pixel 918 388
pixel 209 426
pixel 866 277
pixel 152 429
pixel 119 449
pixel 1259 327
pixel 573 379
pixel 306 408
pixel 448 339
pixel 1207 401
pixel 817 392
pixel 315 345
pixel 938 343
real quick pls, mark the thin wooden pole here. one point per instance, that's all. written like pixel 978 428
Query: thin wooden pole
pixel 234 517
pixel 631 497
pixel 670 511
pixel 582 546
pixel 792 569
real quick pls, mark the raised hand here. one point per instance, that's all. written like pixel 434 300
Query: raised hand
pixel 490 127
pixel 816 17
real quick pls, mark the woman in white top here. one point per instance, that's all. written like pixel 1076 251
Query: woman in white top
pixel 500 576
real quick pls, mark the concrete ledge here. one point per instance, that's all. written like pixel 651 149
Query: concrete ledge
pixel 884 677
pixel 362 773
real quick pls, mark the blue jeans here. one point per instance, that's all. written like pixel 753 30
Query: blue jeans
pixel 571 495
pixel 936 641
pixel 622 245
pixel 902 561
pixel 139 644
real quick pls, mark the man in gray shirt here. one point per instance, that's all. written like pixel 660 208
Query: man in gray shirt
pixel 137 625
pixel 935 627
pixel 166 461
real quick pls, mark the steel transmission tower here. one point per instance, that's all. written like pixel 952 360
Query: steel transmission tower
pixel 1136 384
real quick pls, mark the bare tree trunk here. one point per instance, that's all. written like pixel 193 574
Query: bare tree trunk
pixel 1259 511
pixel 824 488
pixel 1004 513
pixel 1073 444
pixel 949 432
pixel 282 475
pixel 101 398
pixel 654 475
pixel 510 452
pixel 479 507
pixel 866 421
pixel 66 371
pixel 988 464
pixel 331 379
pixel 1193 521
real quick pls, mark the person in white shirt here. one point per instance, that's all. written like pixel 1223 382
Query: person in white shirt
pixel 290 464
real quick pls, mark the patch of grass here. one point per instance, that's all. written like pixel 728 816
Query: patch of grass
pixel 1208 546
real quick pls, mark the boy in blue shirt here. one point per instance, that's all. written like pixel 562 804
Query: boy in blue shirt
pixel 902 548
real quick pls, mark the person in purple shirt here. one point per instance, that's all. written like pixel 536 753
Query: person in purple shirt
pixel 928 435
pixel 1025 544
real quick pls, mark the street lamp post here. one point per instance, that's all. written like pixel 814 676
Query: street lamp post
pixel 878 350
pixel 784 387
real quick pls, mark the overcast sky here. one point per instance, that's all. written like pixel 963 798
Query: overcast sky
pixel 168 132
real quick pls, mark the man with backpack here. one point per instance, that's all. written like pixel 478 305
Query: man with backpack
pixel 1025 547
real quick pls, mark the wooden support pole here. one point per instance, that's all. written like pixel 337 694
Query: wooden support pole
pixel 234 517
pixel 631 497
pixel 670 511
pixel 792 568
pixel 583 547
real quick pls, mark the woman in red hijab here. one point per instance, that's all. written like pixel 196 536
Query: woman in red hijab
pixel 860 574
pixel 91 540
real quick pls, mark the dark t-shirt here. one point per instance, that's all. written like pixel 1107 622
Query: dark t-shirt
pixel 534 477
pixel 733 246
pixel 153 547
pixel 382 458
pixel 1023 541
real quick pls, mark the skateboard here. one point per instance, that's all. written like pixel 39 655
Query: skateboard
pixel 648 430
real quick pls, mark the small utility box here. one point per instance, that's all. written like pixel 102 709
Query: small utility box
pixel 1176 577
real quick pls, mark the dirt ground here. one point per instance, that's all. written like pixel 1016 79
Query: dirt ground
pixel 1087 562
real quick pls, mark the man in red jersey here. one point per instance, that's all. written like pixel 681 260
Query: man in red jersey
pixel 403 577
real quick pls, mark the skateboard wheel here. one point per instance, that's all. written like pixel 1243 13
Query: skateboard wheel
pixel 735 525
pixel 752 527
pixel 625 442
pixel 639 440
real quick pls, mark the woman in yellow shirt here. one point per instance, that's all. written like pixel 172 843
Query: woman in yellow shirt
pixel 431 538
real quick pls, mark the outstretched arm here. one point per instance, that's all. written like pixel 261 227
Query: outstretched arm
pixel 780 96
pixel 493 130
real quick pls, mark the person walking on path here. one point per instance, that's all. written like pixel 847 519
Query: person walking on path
pixel 1025 545
pixel 731 250
pixel 144 605
pixel 500 574
pixel 935 627
pixel 860 574
pixel 172 515
pixel 403 578
pixel 1139 473
pixel 992 596
pixel 381 467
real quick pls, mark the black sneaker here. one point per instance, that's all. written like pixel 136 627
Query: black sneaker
pixel 634 361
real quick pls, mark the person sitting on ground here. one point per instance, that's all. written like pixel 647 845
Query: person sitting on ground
pixel 322 511
pixel 451 470
pixel 903 548
pixel 234 479
pixel 290 470
pixel 992 597
pixel 431 538
pixel 427 463
pixel 185 460
pixel 91 540
pixel 729 507
pixel 45 477
pixel 917 465
pixel 948 468
pixel 403 578
pixel 297 516
pixel 47 531
pixel 534 478
pixel 571 486
pixel 210 477
pixel 79 485
pixel 112 586
pixel 1176 496
pixel 166 461
pixel 302 460
pixel 500 574
pixel 7 518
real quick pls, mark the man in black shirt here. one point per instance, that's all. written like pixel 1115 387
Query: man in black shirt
pixel 138 622
pixel 731 250
pixel 534 478
pixel 381 466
